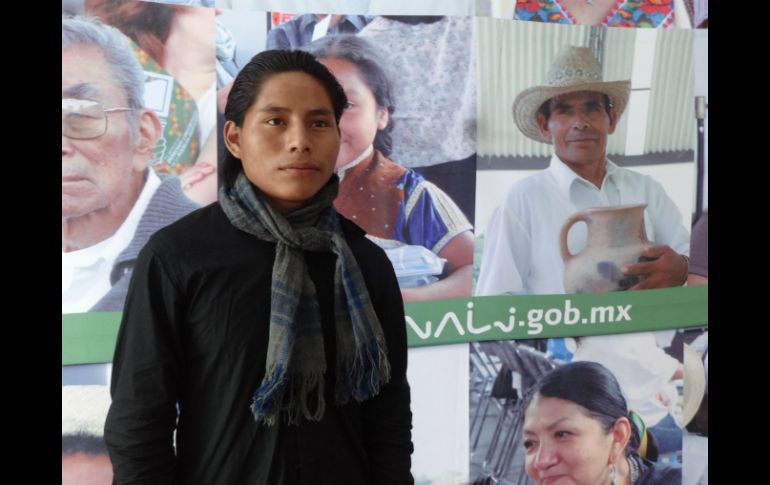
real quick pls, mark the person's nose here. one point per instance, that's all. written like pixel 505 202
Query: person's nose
pixel 546 457
pixel 67 149
pixel 299 140
pixel 581 120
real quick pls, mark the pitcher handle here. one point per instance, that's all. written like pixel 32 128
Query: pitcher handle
pixel 580 216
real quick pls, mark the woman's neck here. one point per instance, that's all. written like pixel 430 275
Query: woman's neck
pixel 191 62
pixel 623 472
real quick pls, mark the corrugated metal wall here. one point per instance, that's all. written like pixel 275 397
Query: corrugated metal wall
pixel 671 124
pixel 618 63
pixel 513 56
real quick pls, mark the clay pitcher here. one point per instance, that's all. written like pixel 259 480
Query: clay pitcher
pixel 616 237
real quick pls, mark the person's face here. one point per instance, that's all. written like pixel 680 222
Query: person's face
pixel 289 140
pixel 362 117
pixel 85 469
pixel 96 173
pixel 578 127
pixel 564 446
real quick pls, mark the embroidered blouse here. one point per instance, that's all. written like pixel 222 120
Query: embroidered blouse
pixel 623 13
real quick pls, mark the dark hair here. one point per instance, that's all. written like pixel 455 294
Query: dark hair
pixel 545 108
pixel 147 23
pixel 249 81
pixel 591 386
pixel 82 443
pixel 370 61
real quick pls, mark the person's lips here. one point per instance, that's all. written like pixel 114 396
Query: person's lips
pixel 72 178
pixel 300 168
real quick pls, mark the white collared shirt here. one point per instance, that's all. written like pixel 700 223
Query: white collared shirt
pixel 521 247
pixel 85 273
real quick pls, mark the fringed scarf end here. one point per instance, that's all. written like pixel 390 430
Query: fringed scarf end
pixel 362 378
pixel 302 397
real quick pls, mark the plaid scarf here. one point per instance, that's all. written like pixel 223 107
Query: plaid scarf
pixel 293 385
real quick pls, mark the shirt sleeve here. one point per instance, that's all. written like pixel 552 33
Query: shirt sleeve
pixel 506 258
pixel 667 220
pixel 277 38
pixel 432 217
pixel 387 418
pixel 146 374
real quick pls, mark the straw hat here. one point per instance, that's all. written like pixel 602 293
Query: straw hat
pixel 573 70
pixel 694 383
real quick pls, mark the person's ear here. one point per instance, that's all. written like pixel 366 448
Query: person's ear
pixel 621 433
pixel 383 117
pixel 232 136
pixel 148 132
pixel 542 125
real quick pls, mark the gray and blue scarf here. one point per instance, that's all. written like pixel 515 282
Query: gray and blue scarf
pixel 293 386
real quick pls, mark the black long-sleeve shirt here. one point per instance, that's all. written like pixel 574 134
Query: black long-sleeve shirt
pixel 195 332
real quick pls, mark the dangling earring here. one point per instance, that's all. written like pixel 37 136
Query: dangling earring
pixel 612 474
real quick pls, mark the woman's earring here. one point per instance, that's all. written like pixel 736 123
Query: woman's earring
pixel 612 474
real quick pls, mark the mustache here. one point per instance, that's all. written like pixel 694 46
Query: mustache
pixel 584 135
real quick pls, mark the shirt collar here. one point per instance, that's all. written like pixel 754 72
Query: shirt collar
pixel 358 21
pixel 341 171
pixel 109 249
pixel 307 20
pixel 565 176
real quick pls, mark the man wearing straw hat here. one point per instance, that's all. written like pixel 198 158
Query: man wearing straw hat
pixel 575 111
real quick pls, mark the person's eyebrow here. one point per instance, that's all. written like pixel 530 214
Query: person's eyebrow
pixel 320 111
pixel 272 109
pixel 549 427
pixel 562 105
pixel 354 92
pixel 82 91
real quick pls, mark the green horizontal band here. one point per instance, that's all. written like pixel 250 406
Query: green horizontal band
pixel 89 338
pixel 544 316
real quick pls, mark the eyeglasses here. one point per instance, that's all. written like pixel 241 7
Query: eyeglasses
pixel 82 119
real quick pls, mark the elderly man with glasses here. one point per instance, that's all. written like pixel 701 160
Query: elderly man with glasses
pixel 111 200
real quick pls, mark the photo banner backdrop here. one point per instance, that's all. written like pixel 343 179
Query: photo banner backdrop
pixel 427 178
